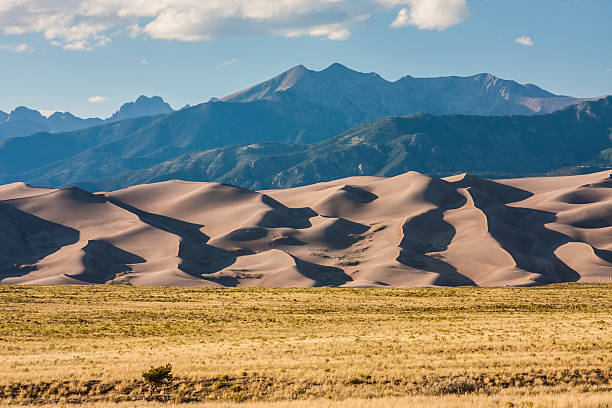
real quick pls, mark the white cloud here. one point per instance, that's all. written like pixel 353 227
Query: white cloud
pixel 334 32
pixel 81 25
pixel 19 48
pixel 338 35
pixel 144 61
pixel 524 40
pixel 429 14
pixel 80 45
pixel 331 32
pixel 609 70
pixel 230 62
pixel 97 99
pixel 85 24
pixel 23 47
pixel 402 18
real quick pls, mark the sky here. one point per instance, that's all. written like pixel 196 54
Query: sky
pixel 90 56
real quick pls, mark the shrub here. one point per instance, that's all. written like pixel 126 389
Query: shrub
pixel 453 385
pixel 158 376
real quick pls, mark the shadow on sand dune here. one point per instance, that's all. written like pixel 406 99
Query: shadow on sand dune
pixel 522 233
pixel 202 260
pixel 322 275
pixel 104 261
pixel 429 232
pixel 26 239
pixel 197 257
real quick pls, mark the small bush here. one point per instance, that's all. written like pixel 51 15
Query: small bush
pixel 454 385
pixel 158 376
pixel 355 380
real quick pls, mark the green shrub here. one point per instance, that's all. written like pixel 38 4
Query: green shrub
pixel 158 376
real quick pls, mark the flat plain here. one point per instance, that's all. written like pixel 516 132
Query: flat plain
pixel 545 346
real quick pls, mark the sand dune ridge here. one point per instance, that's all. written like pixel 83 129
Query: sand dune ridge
pixel 408 230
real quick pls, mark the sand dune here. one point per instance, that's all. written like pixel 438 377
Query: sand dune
pixel 409 230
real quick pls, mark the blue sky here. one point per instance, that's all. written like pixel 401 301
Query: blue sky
pixel 58 54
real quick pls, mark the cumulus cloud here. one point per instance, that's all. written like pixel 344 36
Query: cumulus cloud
pixel 524 40
pixel 19 48
pixel 81 25
pixel 97 99
pixel 86 24
pixel 144 61
pixel 429 14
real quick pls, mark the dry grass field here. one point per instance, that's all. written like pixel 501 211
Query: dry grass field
pixel 482 347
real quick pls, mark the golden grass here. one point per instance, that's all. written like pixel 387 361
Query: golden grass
pixel 534 400
pixel 407 346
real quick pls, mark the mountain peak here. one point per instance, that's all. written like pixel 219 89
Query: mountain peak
pixel 337 67
pixel 142 106
pixel 269 88
pixel 22 113
pixel 297 69
pixel 290 77
pixel 485 75
pixel 61 116
pixel 337 70
pixel 142 99
pixel 513 87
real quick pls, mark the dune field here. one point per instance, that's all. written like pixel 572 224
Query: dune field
pixel 410 230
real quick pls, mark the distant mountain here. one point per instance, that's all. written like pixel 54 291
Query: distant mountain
pixel 137 143
pixel 492 146
pixel 361 97
pixel 24 121
pixel 66 121
pixel 350 97
pixel 143 106
pixel 298 107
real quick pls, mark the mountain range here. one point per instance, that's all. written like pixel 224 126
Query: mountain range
pixel 23 121
pixel 574 140
pixel 309 126
pixel 361 97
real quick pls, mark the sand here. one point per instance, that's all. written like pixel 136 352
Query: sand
pixel 405 231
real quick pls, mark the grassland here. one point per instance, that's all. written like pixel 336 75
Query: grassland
pixel 513 347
